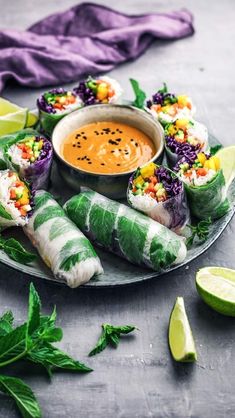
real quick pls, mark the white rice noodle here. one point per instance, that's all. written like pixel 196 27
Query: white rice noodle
pixel 184 113
pixel 200 133
pixel 15 154
pixel 150 207
pixel 195 180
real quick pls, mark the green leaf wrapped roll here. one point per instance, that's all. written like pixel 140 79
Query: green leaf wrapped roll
pixel 59 242
pixel 125 232
pixel 205 185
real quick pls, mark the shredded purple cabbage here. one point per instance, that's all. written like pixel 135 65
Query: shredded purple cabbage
pixel 44 105
pixel 160 98
pixel 85 93
pixel 184 149
pixel 173 186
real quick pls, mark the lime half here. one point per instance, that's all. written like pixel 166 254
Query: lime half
pixel 180 336
pixel 227 162
pixel 216 286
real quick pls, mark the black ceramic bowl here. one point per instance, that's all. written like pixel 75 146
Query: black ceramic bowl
pixel 112 185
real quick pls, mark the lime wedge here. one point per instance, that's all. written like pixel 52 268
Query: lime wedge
pixel 7 107
pixel 32 119
pixel 180 336
pixel 227 162
pixel 216 286
pixel 13 122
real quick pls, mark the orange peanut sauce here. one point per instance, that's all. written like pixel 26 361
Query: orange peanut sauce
pixel 107 148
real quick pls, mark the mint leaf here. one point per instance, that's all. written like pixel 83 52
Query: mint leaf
pixel 101 344
pixel 33 311
pixel 12 346
pixel 53 358
pixel 164 89
pixel 47 214
pixel 140 95
pixel 4 214
pixel 200 230
pixel 22 395
pixel 16 251
pixel 6 322
pixel 215 149
pixel 110 335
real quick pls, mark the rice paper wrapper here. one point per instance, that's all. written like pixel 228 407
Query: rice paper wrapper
pixel 62 246
pixel 38 173
pixel 125 232
pixel 209 200
pixel 173 213
pixel 9 215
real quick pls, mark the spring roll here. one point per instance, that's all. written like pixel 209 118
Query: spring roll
pixel 63 248
pixel 205 185
pixel 53 105
pixel 30 154
pixel 157 192
pixel 125 232
pixel 16 200
pixel 167 107
pixel 98 90
pixel 184 137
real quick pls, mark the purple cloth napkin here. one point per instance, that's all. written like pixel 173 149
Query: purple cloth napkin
pixel 86 39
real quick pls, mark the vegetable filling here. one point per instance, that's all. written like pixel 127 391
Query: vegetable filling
pixel 201 171
pixel 58 101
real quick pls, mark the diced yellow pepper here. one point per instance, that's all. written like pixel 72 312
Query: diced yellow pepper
pixel 210 164
pixel 207 164
pixel 172 130
pixel 216 161
pixel 148 170
pixel 138 180
pixel 201 158
pixel 102 91
pixel 181 123
pixel 182 100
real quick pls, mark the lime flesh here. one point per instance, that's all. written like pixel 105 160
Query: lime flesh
pixel 180 336
pixel 227 163
pixel 216 286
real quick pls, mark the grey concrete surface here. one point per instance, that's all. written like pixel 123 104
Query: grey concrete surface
pixel 140 380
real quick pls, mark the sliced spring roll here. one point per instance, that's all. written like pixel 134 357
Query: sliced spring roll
pixel 205 185
pixel 53 105
pixel 157 192
pixel 98 90
pixel 184 137
pixel 64 249
pixel 125 232
pixel 167 107
pixel 16 200
pixel 30 154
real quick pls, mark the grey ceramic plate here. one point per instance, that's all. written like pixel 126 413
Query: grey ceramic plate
pixel 117 271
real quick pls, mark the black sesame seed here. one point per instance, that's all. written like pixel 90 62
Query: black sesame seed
pixel 120 132
pixel 132 139
pixel 102 164
pixel 83 133
pixel 74 145
pixel 90 162
pixel 78 158
pixel 120 150
pixel 84 137
pixel 136 144
pixel 113 133
pixel 118 164
pixel 119 139
pixel 77 136
pixel 112 151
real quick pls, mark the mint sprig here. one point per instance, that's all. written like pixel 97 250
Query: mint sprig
pixel 15 250
pixel 111 335
pixel 201 230
pixel 32 341
pixel 140 95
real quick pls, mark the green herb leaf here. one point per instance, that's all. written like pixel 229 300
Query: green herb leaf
pixel 16 251
pixel 53 358
pixel 22 395
pixel 201 230
pixel 33 311
pixel 47 214
pixel 4 214
pixel 164 89
pixel 215 149
pixel 140 95
pixel 114 339
pixel 12 346
pixel 110 335
pixel 41 199
pixel 6 322
pixel 101 344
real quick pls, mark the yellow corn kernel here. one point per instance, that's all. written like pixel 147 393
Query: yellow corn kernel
pixel 148 170
pixel 201 158
pixel 181 123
